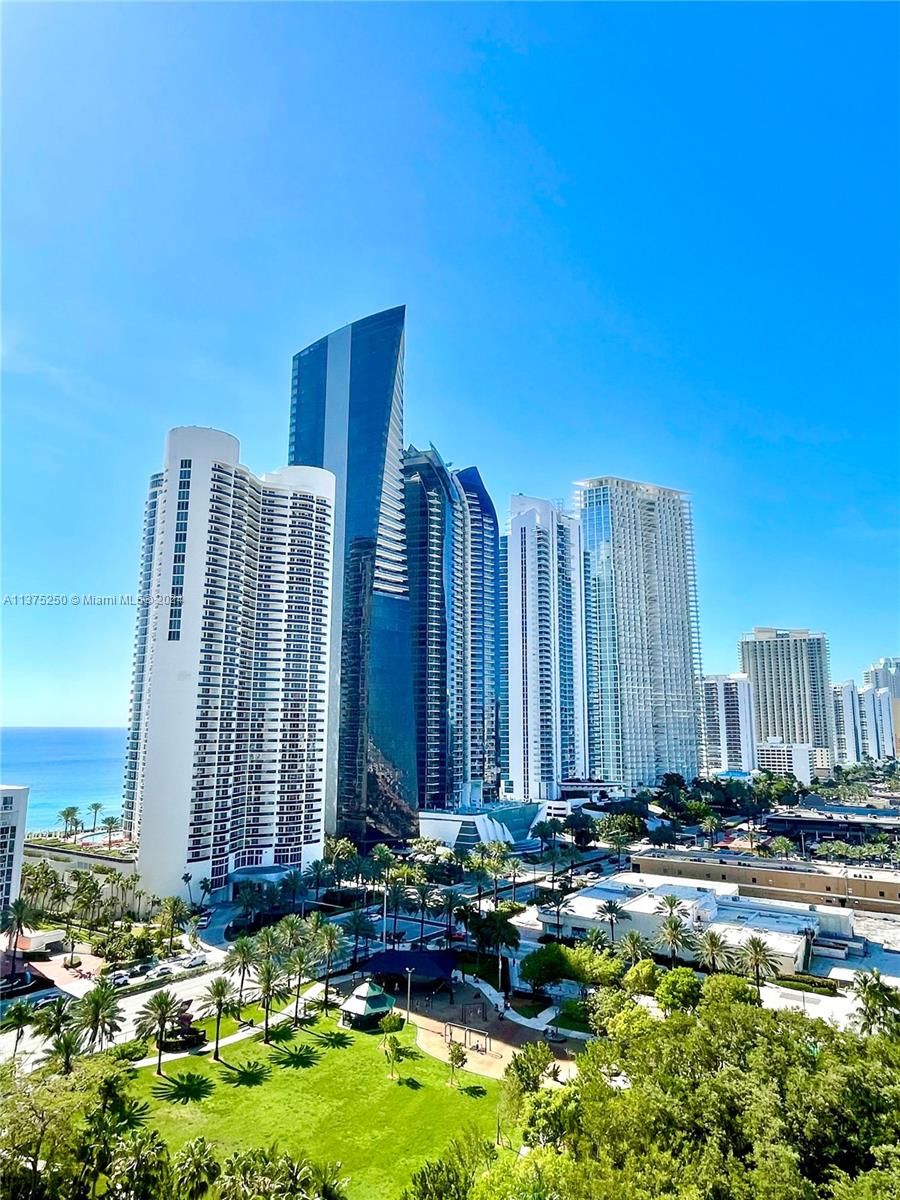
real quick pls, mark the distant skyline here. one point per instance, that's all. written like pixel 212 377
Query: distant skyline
pixel 652 241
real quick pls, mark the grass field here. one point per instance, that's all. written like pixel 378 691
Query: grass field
pixel 325 1091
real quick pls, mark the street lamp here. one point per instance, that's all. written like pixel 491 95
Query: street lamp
pixel 409 974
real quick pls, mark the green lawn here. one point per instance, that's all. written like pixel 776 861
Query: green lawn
pixel 335 1102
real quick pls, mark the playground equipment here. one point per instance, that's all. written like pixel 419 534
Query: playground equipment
pixel 472 1038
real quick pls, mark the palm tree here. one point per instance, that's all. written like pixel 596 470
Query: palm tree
pixel 879 1003
pixel 612 912
pixel 219 1000
pixel 710 826
pixel 50 1022
pixel 196 1168
pixel 317 876
pixel 140 1168
pixel 186 880
pixel 155 1017
pixel 243 957
pixel 205 886
pixel 95 810
pixel 757 959
pixel 64 1048
pixel 713 951
pixel 68 816
pixel 515 869
pixel 670 906
pixel 98 1014
pixel 272 986
pixel 293 886
pixel 269 944
pixel 292 930
pixel 18 916
pixel 619 840
pixel 173 914
pixel 477 871
pixel 17 1017
pixel 783 847
pixel 359 925
pixel 447 904
pixel 543 831
pixel 673 935
pixel 596 940
pixel 633 947
pixel 111 825
pixel 421 897
pixel 497 930
pixel 396 895
pixel 298 966
pixel 497 865
pixel 330 946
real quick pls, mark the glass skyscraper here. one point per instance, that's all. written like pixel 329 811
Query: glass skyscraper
pixel 347 416
pixel 641 631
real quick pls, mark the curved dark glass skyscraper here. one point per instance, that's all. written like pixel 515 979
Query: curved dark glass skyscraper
pixel 347 416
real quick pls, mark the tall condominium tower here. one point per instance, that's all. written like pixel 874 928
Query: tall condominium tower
pixel 792 697
pixel 347 416
pixel 642 631
pixel 886 674
pixel 484 634
pixel 226 759
pixel 545 607
pixel 451 530
pixel 438 540
pixel 505 784
pixel 876 723
pixel 847 739
pixel 728 738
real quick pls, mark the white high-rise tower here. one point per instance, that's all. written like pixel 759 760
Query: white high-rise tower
pixel 642 631
pixel 728 737
pixel 545 606
pixel 226 759
pixel 792 696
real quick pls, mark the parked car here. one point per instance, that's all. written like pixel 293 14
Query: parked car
pixel 120 979
pixel 197 960
pixel 203 923
pixel 141 969
pixel 162 972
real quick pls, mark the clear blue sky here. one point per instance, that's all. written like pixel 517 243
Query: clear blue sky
pixel 653 241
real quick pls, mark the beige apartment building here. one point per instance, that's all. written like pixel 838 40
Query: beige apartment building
pixel 776 879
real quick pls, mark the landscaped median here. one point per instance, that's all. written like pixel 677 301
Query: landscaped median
pixel 326 1091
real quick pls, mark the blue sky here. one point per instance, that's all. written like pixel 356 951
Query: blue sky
pixel 653 241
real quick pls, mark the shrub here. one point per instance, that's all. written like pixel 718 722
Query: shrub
pixel 726 990
pixel 132 1051
pixel 679 989
pixel 586 966
pixel 642 979
pixel 604 1004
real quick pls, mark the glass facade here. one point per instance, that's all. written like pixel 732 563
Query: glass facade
pixel 347 416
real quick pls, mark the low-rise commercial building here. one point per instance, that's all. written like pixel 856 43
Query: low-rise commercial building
pixel 848 823
pixel 787 758
pixel 789 930
pixel 827 884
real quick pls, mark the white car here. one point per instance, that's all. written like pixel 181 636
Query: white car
pixel 162 972
pixel 197 960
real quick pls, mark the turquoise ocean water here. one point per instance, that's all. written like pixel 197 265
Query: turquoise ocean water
pixel 63 767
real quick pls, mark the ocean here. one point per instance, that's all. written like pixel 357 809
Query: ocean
pixel 64 767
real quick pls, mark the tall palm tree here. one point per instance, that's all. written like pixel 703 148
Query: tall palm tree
pixel 713 951
pixel 140 1168
pixel 242 958
pixel 186 880
pixel 710 826
pixel 633 947
pixel 619 840
pixel 783 847
pixel 298 965
pixel 879 1010
pixel 218 1000
pixel 498 931
pixel 396 895
pixel 155 1017
pixel 359 925
pixel 95 810
pixel 447 904
pixel 111 825
pixel 49 1022
pixel 173 915
pixel 17 1017
pixel 670 906
pixel 421 898
pixel 291 929
pixel 69 817
pixel 612 912
pixel 205 886
pixel 330 946
pixel 757 959
pixel 673 936
pixel 293 886
pixel 196 1168
pixel 64 1049
pixel 98 1015
pixel 18 916
pixel 477 871
pixel 317 876
pixel 269 944
pixel 272 987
